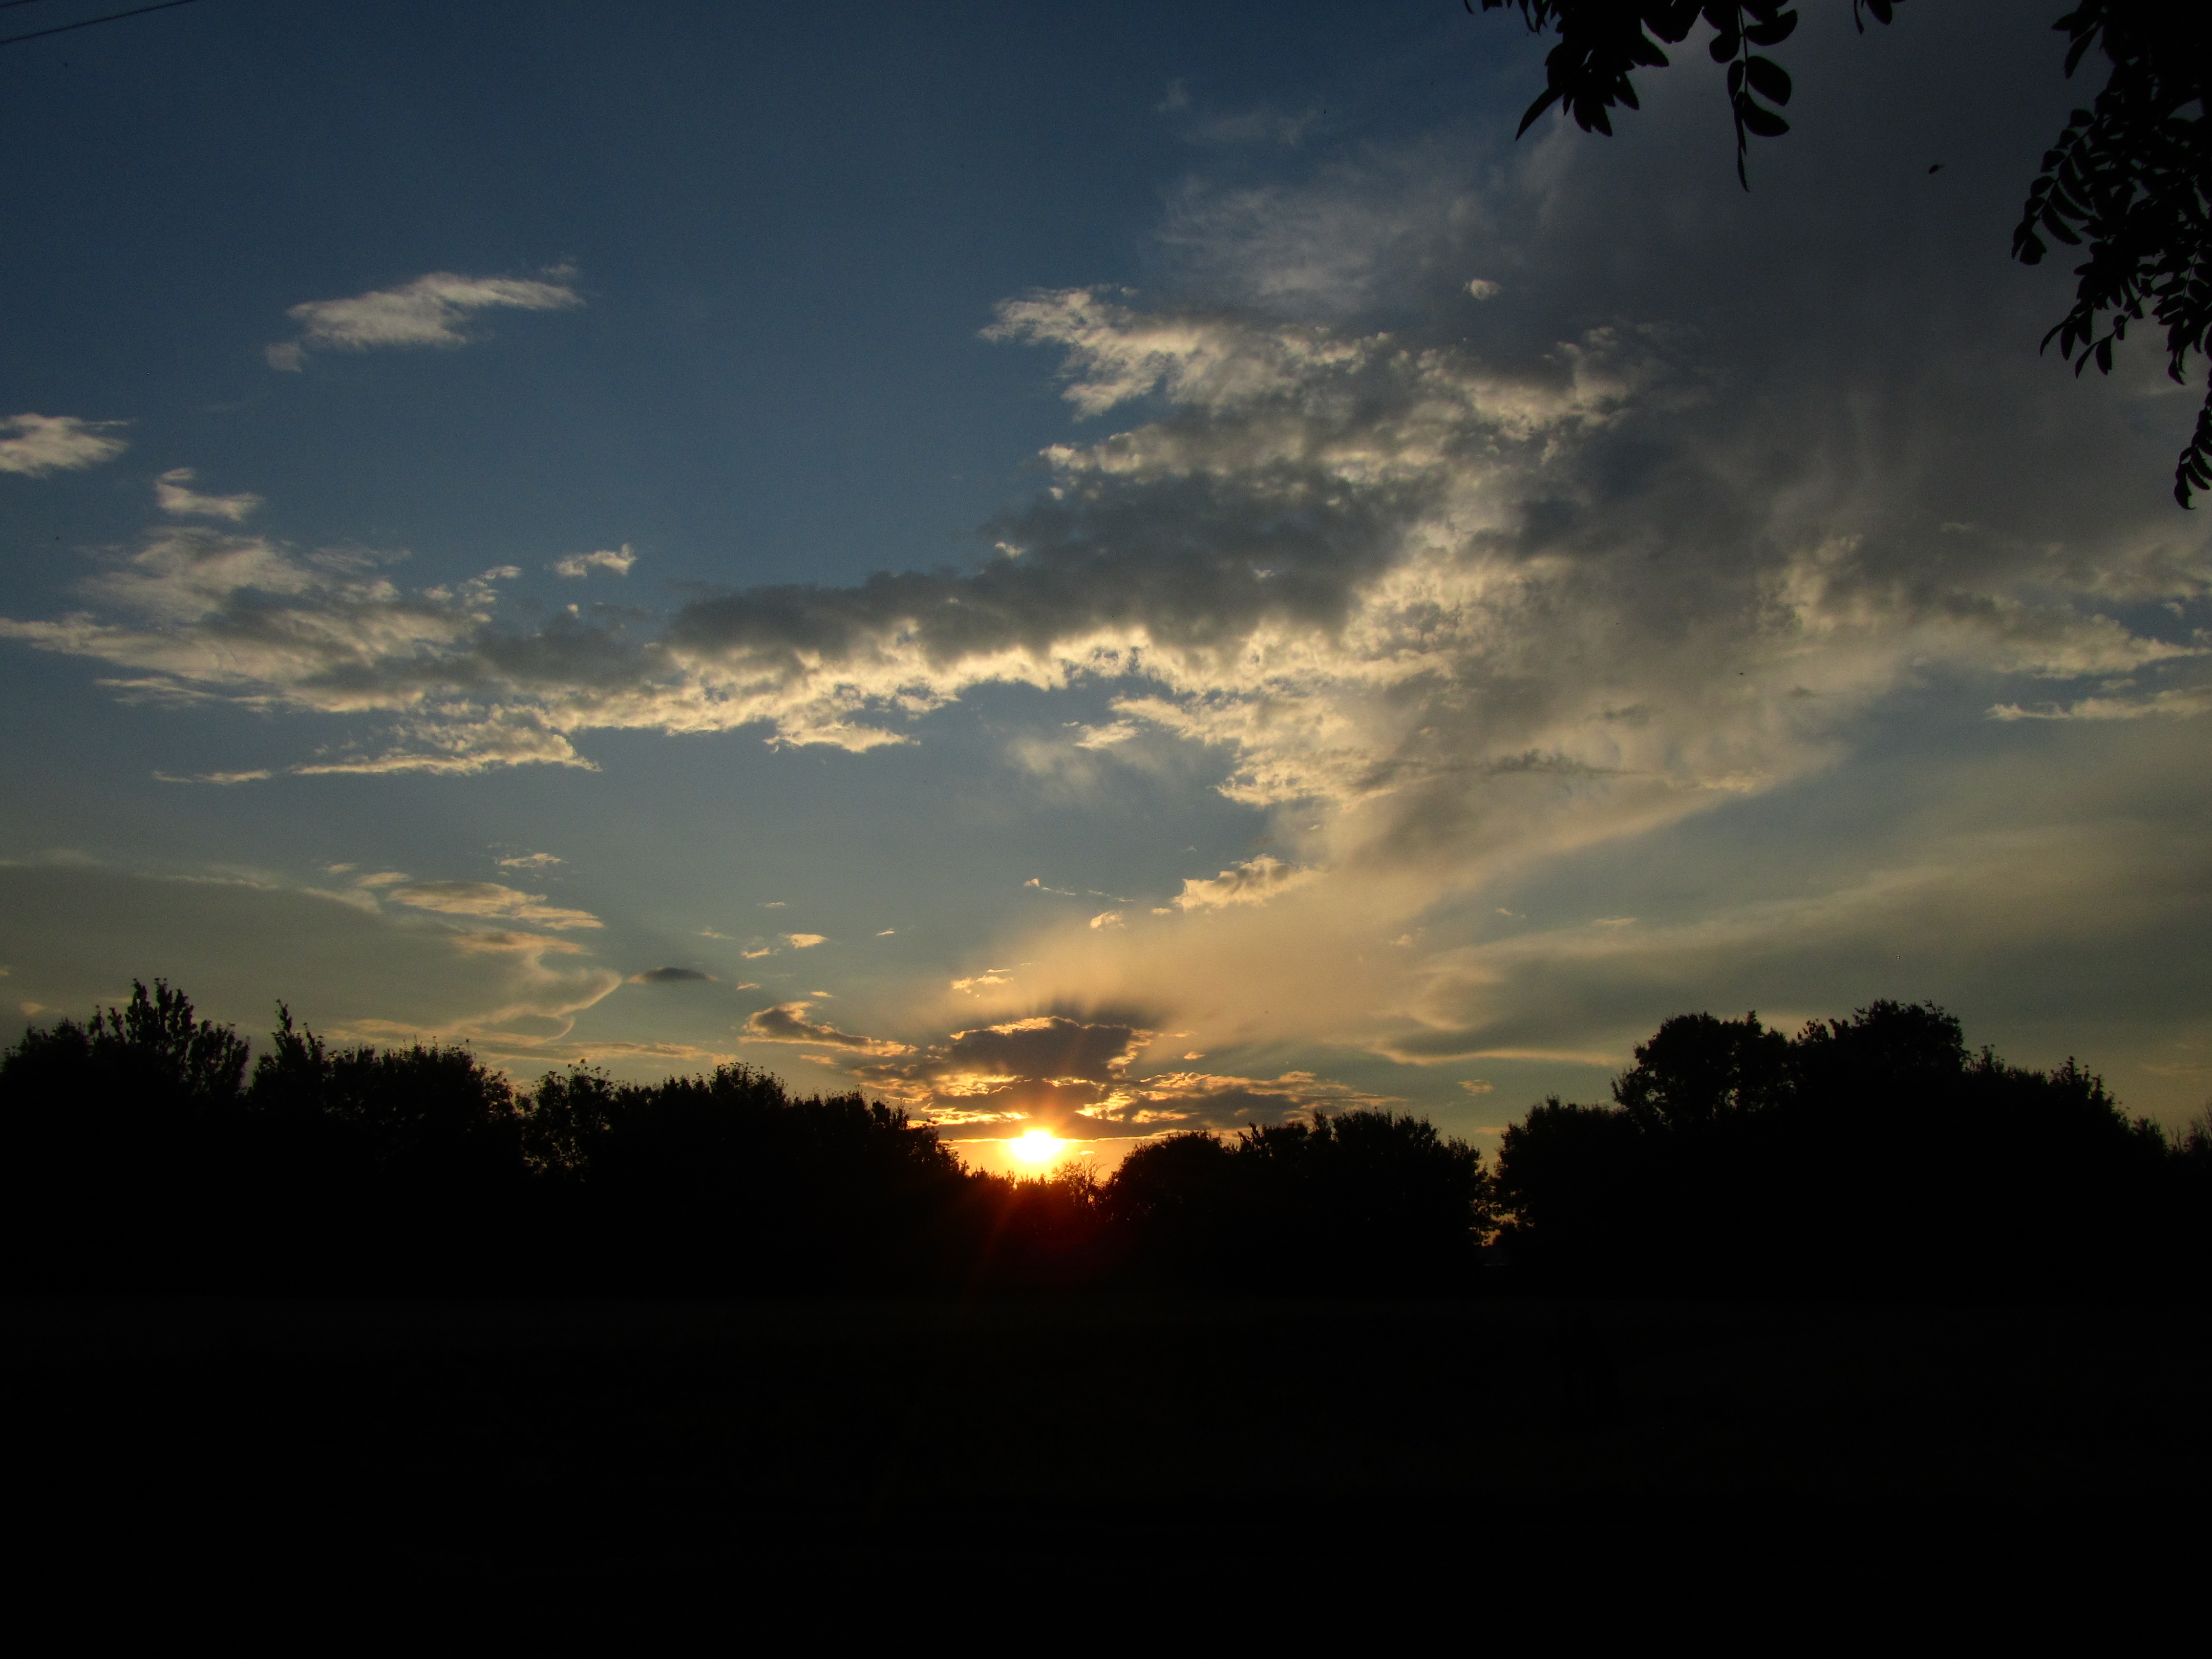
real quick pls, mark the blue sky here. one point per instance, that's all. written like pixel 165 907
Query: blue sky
pixel 1130 568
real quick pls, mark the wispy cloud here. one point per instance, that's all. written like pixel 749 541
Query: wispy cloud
pixel 2171 702
pixel 34 445
pixel 173 491
pixel 787 1022
pixel 486 899
pixel 434 310
pixel 582 564
pixel 1253 882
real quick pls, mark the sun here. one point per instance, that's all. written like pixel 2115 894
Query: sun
pixel 1037 1146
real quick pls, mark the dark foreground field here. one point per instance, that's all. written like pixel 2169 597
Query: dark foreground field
pixel 637 1439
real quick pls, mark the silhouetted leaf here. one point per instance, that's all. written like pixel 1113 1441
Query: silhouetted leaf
pixel 1764 122
pixel 1767 79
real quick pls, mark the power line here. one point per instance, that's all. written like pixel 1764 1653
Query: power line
pixel 64 28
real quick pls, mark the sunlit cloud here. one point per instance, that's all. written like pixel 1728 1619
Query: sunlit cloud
pixel 582 564
pixel 32 446
pixel 787 1022
pixel 431 311
pixel 1077 1075
pixel 1254 882
pixel 485 899
pixel 174 492
pixel 238 940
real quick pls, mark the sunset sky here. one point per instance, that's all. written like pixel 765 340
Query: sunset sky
pixel 1114 569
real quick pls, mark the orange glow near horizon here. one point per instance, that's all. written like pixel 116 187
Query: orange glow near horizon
pixel 1037 1146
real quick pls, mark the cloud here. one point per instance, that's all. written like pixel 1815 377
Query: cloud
pixel 2173 703
pixel 175 497
pixel 430 311
pixel 1202 1100
pixel 805 941
pixel 1447 596
pixel 1254 882
pixel 257 775
pixel 582 564
pixel 353 970
pixel 1047 1066
pixel 1106 919
pixel 1408 584
pixel 1074 1075
pixel 482 898
pixel 35 445
pixel 787 1022
pixel 529 861
pixel 668 976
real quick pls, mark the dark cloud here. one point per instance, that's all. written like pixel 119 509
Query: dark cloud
pixel 668 976
pixel 787 1021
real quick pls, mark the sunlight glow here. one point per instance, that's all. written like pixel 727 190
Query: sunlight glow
pixel 1037 1146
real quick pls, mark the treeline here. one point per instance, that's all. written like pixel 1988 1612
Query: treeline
pixel 148 1149
pixel 1869 1154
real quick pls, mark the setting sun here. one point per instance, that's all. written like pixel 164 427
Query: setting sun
pixel 1037 1146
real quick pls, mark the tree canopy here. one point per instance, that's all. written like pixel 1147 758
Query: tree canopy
pixel 2129 179
pixel 147 1150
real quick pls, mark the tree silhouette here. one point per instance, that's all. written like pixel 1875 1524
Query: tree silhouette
pixel 2130 176
pixel 137 1151
pixel 1869 1154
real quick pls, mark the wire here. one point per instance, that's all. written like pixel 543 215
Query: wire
pixel 111 17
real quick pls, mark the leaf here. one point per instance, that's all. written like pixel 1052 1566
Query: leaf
pixel 1768 79
pixel 1722 46
pixel 1774 34
pixel 1764 122
pixel 1537 109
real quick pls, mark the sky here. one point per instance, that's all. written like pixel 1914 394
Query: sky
pixel 1117 569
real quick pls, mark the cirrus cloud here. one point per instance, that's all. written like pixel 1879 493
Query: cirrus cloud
pixel 433 310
